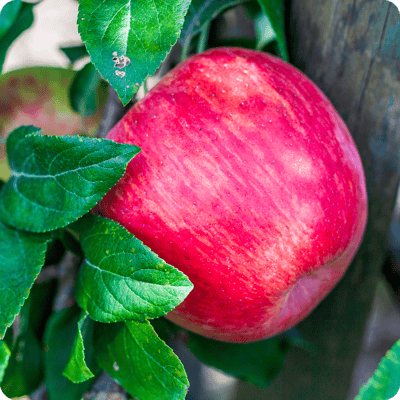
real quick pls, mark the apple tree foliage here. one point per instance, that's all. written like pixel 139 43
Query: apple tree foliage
pixel 122 289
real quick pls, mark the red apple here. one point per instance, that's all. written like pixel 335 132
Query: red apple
pixel 248 182
pixel 40 96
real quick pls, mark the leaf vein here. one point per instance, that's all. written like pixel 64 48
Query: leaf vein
pixel 82 285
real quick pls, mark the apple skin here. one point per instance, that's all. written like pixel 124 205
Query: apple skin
pixel 250 183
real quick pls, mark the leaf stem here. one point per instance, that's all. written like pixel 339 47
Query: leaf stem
pixel 203 39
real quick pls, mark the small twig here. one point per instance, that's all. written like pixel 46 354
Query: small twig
pixel 68 268
pixel 16 327
pixel 65 272
pixel 113 112
pixel 106 388
pixel 39 393
pixel 48 273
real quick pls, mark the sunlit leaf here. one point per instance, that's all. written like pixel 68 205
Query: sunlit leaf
pixel 142 363
pixel 385 382
pixel 21 259
pixel 77 370
pixel 57 179
pixel 128 39
pixel 4 357
pixel 122 279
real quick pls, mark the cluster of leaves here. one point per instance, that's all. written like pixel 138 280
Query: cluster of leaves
pixel 122 288
pixel 55 181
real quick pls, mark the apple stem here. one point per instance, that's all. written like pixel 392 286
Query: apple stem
pixel 203 39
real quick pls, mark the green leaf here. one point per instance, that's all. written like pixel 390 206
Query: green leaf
pixel 257 362
pixel 143 364
pixel 25 371
pixel 74 53
pixel 201 12
pixel 120 278
pixel 275 10
pixel 37 308
pixel 128 39
pixel 57 179
pixel 8 15
pixel 71 242
pixel 5 354
pixel 25 368
pixel 9 338
pixel 385 382
pixel 59 339
pixel 22 256
pixel 22 22
pixel 83 91
pixel 265 34
pixel 76 370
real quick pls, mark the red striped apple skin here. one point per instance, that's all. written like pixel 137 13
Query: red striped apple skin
pixel 248 182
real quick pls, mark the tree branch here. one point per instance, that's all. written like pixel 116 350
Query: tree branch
pixel 113 112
